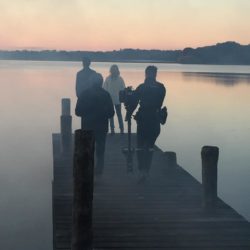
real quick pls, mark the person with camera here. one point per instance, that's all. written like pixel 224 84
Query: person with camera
pixel 150 96
pixel 95 107
pixel 83 77
pixel 114 83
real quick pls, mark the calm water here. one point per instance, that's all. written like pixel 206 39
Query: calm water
pixel 208 105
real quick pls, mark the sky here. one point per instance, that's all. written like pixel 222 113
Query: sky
pixel 117 24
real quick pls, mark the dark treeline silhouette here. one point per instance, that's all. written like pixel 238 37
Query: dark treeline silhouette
pixel 101 56
pixel 221 53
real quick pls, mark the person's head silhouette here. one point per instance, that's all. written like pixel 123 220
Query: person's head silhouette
pixel 86 62
pixel 151 72
pixel 114 71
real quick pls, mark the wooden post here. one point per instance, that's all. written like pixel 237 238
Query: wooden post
pixel 66 126
pixel 83 190
pixel 209 155
pixel 53 215
pixel 170 158
pixel 65 106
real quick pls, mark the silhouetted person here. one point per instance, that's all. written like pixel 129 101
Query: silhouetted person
pixel 83 77
pixel 150 95
pixel 95 107
pixel 114 84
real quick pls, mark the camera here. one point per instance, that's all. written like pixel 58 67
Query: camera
pixel 127 96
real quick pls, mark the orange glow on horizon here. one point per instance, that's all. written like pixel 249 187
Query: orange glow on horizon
pixel 115 24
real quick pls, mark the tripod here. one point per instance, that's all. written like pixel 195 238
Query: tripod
pixel 129 151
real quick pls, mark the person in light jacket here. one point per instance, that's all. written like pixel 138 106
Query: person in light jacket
pixel 114 84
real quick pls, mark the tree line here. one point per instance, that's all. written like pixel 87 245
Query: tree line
pixel 221 53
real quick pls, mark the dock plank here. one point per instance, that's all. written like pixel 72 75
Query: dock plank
pixel 164 213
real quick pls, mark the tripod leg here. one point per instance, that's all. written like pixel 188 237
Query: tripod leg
pixel 130 151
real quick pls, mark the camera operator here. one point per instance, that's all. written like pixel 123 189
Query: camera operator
pixel 150 96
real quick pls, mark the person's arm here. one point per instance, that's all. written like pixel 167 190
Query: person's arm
pixel 83 104
pixel 162 96
pixel 105 84
pixel 123 86
pixel 78 110
pixel 77 85
pixel 134 101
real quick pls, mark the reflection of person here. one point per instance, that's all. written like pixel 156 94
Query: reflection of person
pixel 83 77
pixel 114 84
pixel 150 95
pixel 95 107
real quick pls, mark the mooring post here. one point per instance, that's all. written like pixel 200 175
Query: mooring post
pixel 210 156
pixel 170 159
pixel 66 126
pixel 83 190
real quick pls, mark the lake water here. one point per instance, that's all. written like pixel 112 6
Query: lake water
pixel 208 105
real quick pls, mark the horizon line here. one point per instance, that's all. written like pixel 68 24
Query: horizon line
pixel 36 49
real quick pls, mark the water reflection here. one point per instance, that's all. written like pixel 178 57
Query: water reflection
pixel 199 114
pixel 226 79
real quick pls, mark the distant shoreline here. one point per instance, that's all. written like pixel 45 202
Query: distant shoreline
pixel 114 61
pixel 228 53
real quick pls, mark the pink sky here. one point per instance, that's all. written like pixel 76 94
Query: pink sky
pixel 115 24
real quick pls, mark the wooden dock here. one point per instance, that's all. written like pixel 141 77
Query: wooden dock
pixel 163 213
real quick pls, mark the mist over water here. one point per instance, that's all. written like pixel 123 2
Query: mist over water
pixel 208 105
